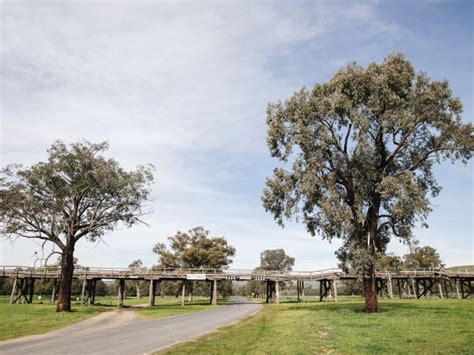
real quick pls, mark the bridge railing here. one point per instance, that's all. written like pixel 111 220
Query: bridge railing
pixel 113 272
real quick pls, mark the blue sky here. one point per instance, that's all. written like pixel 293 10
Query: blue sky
pixel 184 86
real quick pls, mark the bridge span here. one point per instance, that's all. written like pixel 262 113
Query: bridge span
pixel 408 283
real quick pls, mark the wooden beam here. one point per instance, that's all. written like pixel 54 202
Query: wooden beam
pixel 183 291
pixel 53 294
pixel 334 289
pixel 83 293
pixel 13 289
pixel 214 292
pixel 277 292
pixel 121 293
pixel 151 293
pixel 440 289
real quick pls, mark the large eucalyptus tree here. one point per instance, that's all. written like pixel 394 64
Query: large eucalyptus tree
pixel 76 194
pixel 357 155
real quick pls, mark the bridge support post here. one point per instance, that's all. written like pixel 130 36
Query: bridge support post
pixel 31 290
pixel 121 293
pixel 389 286
pixel 214 292
pixel 440 289
pixel 277 292
pixel 83 293
pixel 151 293
pixel 334 289
pixel 456 283
pixel 53 294
pixel 415 288
pixel 13 290
pixel 269 291
pixel 298 290
pixel 183 292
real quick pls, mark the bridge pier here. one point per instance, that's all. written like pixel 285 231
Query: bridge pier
pixel 277 292
pixel 121 293
pixel 334 289
pixel 23 287
pixel 183 292
pixel 152 293
pixel 214 292
pixel 13 289
pixel 53 293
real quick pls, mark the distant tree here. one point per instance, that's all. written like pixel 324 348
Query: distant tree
pixel 76 194
pixel 137 266
pixel 276 259
pixel 423 258
pixel 194 249
pixel 390 262
pixel 255 288
pixel 358 153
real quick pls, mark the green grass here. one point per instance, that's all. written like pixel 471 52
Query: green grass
pixel 27 319
pixel 404 326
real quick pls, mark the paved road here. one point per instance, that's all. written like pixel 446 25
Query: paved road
pixel 116 333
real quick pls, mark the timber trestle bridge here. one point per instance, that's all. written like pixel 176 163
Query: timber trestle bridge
pixel 408 283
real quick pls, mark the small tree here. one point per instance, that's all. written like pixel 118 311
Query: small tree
pixel 359 151
pixel 137 266
pixel 76 194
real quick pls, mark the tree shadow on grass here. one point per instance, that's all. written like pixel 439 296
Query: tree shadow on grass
pixel 358 307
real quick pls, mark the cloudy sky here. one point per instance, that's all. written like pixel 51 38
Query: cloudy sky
pixel 184 86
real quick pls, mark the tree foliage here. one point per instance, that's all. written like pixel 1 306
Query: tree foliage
pixel 423 258
pixel 276 259
pixel 358 152
pixel 77 193
pixel 194 249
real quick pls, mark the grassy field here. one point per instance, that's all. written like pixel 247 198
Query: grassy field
pixel 27 319
pixel 404 326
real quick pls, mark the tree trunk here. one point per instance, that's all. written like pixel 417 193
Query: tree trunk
pixel 370 279
pixel 65 285
pixel 370 291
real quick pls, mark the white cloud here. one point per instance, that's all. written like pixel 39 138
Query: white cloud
pixel 183 86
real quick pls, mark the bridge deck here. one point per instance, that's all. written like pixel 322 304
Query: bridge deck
pixel 215 274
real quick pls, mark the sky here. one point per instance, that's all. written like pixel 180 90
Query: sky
pixel 185 86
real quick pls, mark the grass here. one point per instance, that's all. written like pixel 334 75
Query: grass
pixel 404 326
pixel 28 319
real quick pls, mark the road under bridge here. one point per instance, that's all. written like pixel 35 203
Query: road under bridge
pixel 408 283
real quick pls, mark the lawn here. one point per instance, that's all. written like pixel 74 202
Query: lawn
pixel 404 326
pixel 27 319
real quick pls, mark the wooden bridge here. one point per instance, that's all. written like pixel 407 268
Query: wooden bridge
pixel 408 282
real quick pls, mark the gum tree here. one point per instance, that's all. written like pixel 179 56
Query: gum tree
pixel 76 194
pixel 357 154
